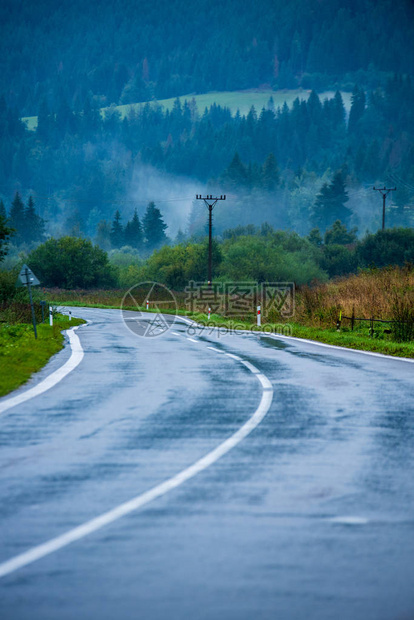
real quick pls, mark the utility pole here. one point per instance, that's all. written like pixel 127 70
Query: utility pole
pixel 210 202
pixel 384 191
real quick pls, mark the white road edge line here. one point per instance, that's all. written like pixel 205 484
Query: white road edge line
pixel 40 551
pixel 214 349
pixel 54 378
pixel 315 342
pixel 192 339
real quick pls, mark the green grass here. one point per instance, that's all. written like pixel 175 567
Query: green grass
pixel 234 100
pixel 21 354
pixel 355 340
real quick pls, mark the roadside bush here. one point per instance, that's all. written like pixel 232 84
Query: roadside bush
pixel 387 247
pixel 338 260
pixel 71 262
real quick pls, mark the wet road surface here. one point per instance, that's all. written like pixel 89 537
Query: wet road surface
pixel 310 516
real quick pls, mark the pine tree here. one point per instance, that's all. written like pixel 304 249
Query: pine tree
pixel 5 232
pixel 358 102
pixel 34 225
pixel 117 231
pixel 236 173
pixel 270 174
pixel 330 204
pixel 154 227
pixel 17 218
pixel 133 232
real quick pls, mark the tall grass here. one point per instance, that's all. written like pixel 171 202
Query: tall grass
pixel 376 293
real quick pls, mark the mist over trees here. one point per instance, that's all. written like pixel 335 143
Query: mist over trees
pixel 299 168
pixel 293 167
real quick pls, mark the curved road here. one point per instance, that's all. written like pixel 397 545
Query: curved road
pixel 306 514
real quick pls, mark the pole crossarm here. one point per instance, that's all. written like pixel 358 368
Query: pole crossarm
pixel 210 201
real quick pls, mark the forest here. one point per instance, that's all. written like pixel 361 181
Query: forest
pixel 275 165
pixel 130 181
pixel 122 51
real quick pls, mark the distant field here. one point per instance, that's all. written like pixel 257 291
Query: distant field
pixel 234 100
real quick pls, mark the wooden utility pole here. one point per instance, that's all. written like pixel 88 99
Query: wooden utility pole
pixel 210 203
pixel 384 191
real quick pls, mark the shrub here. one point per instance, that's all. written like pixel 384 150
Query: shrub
pixel 70 262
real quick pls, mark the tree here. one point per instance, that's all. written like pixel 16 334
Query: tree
pixel 70 262
pixel 133 232
pixel 34 225
pixel 339 235
pixel 117 231
pixel 154 227
pixel 5 232
pixel 358 102
pixel 103 235
pixel 270 174
pixel 315 237
pixel 236 173
pixel 17 218
pixel 330 204
pixel 394 246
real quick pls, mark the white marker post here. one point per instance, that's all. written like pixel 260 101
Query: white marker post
pixel 50 315
pixel 259 316
pixel 70 315
pixel 209 313
pixel 147 304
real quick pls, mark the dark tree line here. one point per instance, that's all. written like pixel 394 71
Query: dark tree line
pixel 123 51
pixel 27 226
pixel 85 162
pixel 142 236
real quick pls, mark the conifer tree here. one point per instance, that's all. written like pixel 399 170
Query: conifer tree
pixel 17 218
pixel 34 225
pixel 154 227
pixel 358 102
pixel 6 231
pixel 133 232
pixel 330 204
pixel 270 173
pixel 117 231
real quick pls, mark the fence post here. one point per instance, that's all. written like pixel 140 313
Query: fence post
pixel 353 318
pixel 339 321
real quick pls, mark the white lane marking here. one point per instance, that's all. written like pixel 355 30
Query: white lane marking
pixel 176 334
pixel 192 339
pixel 235 357
pixel 250 366
pixel 214 349
pixel 54 378
pixel 349 520
pixel 93 525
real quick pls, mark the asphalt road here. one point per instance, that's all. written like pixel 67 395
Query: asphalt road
pixel 309 515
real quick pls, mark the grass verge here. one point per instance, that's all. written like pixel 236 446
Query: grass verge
pixel 21 355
